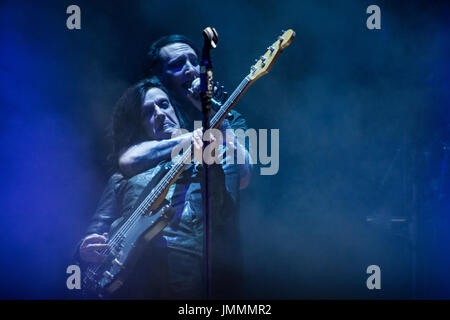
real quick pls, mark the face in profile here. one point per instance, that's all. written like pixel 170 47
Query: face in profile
pixel 158 115
pixel 180 67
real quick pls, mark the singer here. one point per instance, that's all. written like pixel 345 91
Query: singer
pixel 143 122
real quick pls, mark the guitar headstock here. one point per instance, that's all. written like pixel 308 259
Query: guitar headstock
pixel 265 62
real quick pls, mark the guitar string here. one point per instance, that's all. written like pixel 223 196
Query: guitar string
pixel 148 201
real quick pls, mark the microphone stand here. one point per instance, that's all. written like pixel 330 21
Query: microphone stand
pixel 206 92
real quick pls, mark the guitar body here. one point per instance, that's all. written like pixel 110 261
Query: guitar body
pixel 102 280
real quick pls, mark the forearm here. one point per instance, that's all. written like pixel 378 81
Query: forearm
pixel 147 154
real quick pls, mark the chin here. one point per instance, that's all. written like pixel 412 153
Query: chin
pixel 184 95
pixel 166 135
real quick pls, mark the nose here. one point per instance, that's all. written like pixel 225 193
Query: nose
pixel 158 112
pixel 190 69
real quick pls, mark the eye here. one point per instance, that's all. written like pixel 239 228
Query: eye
pixel 165 104
pixel 177 64
pixel 194 61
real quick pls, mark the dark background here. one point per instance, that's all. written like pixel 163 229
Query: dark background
pixel 363 119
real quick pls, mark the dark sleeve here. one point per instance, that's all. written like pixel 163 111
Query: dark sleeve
pixel 107 209
pixel 223 201
pixel 236 120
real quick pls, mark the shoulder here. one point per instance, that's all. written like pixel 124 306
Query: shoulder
pixel 114 182
pixel 116 177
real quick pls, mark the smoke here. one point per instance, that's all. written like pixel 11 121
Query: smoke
pixel 352 106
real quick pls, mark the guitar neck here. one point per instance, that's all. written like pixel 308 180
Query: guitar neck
pixel 230 103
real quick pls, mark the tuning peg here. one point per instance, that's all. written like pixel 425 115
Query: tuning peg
pixel 283 31
pixel 256 60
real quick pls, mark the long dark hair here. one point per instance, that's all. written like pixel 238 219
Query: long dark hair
pixel 126 127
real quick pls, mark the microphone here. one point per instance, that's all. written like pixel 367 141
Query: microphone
pixel 195 88
pixel 219 93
